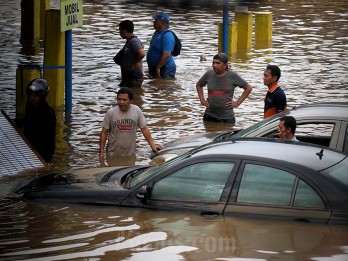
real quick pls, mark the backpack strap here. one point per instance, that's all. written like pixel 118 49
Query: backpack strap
pixel 158 50
pixel 129 40
pixel 168 30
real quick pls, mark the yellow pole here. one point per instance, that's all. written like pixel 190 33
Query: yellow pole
pixel 232 37
pixel 263 29
pixel 54 55
pixel 36 31
pixel 30 21
pixel 244 21
pixel 23 77
pixel 44 6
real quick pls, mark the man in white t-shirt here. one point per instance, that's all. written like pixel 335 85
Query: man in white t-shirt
pixel 120 124
pixel 287 128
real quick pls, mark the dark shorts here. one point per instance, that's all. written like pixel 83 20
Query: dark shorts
pixel 210 118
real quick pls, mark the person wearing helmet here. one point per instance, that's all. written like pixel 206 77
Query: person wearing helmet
pixel 40 119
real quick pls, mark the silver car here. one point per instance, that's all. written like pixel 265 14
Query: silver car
pixel 319 123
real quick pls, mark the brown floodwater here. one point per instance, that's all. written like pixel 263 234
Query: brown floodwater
pixel 310 43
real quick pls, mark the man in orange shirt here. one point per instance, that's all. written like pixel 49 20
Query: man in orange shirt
pixel 275 100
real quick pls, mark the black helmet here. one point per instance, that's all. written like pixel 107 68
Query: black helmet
pixel 39 86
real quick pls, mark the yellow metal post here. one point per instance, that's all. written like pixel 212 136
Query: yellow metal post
pixel 37 23
pixel 244 21
pixel 232 37
pixel 33 20
pixel 30 21
pixel 44 6
pixel 35 16
pixel 23 77
pixel 54 55
pixel 263 29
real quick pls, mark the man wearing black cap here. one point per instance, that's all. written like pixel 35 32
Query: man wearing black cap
pixel 159 56
pixel 221 83
pixel 40 119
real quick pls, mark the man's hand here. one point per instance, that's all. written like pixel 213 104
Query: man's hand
pixel 102 160
pixel 205 103
pixel 232 104
pixel 157 148
pixel 158 73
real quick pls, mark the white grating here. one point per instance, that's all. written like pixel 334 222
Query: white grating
pixel 15 153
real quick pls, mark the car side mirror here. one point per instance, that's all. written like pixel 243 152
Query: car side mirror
pixel 142 194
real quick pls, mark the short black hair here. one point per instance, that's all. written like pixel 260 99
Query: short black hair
pixel 126 90
pixel 275 70
pixel 127 25
pixel 289 122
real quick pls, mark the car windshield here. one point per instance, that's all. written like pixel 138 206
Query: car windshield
pixel 339 171
pixel 254 127
pixel 155 170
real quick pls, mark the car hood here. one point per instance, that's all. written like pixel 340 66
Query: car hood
pixel 184 144
pixel 90 186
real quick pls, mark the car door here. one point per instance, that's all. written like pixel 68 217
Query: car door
pixel 202 186
pixel 325 132
pixel 269 191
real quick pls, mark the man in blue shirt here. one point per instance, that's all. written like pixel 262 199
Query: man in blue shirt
pixel 159 56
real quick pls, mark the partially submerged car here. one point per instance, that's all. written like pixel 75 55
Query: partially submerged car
pixel 273 180
pixel 319 123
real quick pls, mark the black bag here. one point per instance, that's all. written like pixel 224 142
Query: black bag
pixel 177 45
pixel 119 57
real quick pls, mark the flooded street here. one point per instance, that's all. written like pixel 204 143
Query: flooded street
pixel 310 43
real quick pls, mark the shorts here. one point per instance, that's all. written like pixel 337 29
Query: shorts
pixel 210 118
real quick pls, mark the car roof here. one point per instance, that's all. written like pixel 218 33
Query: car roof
pixel 313 112
pixel 305 154
pixel 338 110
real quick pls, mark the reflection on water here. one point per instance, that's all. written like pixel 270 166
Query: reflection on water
pixel 309 44
pixel 119 234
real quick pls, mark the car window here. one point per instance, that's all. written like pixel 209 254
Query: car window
pixel 265 185
pixel 268 185
pixel 201 181
pixel 155 170
pixel 255 127
pixel 307 197
pixel 315 129
pixel 317 133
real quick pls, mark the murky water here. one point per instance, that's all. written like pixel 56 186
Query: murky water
pixel 310 43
